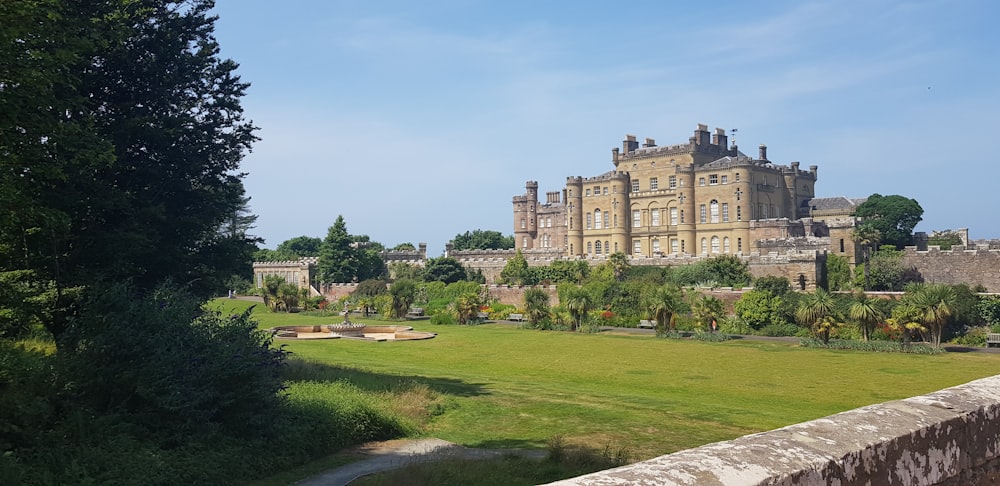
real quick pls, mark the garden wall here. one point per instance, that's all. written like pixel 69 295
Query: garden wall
pixel 968 265
pixel 949 437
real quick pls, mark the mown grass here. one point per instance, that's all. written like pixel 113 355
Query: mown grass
pixel 497 386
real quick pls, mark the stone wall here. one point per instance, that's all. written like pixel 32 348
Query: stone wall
pixel 514 295
pixel 337 291
pixel 949 437
pixel 972 266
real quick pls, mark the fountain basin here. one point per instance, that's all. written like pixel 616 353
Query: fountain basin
pixel 351 331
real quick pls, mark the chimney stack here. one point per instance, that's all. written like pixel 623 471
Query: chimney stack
pixel 629 145
pixel 763 152
pixel 649 142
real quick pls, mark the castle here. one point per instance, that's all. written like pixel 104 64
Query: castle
pixel 703 198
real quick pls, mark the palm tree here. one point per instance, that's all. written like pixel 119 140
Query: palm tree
pixel 818 311
pixel 866 312
pixel 536 305
pixel 936 304
pixel 868 238
pixel 578 303
pixel 663 304
pixel 905 317
pixel 706 309
pixel 466 307
pixel 619 265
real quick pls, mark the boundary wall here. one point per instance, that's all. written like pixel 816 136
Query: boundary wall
pixel 972 265
pixel 949 437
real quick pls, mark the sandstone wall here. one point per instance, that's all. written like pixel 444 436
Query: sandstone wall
pixel 949 437
pixel 972 266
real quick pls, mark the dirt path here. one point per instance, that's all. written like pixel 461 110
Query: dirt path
pixel 394 454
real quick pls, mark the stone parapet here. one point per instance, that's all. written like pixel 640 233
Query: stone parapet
pixel 973 266
pixel 949 437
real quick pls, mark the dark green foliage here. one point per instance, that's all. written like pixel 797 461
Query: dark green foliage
pixel 894 217
pixel 301 246
pixel 989 309
pixel 870 346
pixel 775 285
pixel 729 271
pixel 759 308
pixel 266 255
pixel 886 271
pixel 407 246
pixel 131 167
pixel 516 271
pixel 536 306
pixel 158 361
pixel 403 294
pixel 444 269
pixel 482 240
pixel 838 272
pixel 561 271
pixel 370 288
pixel 335 254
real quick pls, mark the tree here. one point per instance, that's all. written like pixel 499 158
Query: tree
pixel 301 246
pixel 619 265
pixel 403 293
pixel 886 271
pixel 336 255
pixel 775 285
pixel 707 309
pixel 866 312
pixel 515 271
pixel 404 247
pixel 729 270
pixel 818 311
pixel 894 217
pixel 578 303
pixel 467 307
pixel 444 269
pixel 759 308
pixel 935 304
pixel 131 168
pixel 482 240
pixel 663 304
pixel 838 272
pixel 536 305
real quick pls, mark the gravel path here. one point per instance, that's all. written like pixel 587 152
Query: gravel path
pixel 394 454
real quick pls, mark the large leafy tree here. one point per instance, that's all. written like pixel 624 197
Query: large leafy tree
pixel 121 134
pixel 482 240
pixel 302 246
pixel 893 217
pixel 663 304
pixel 444 269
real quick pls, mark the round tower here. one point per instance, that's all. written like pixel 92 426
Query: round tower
pixel 620 208
pixel 688 218
pixel 574 216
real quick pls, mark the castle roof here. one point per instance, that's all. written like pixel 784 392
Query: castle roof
pixel 835 203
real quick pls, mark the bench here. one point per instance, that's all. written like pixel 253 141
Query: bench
pixel 416 312
pixel 516 317
pixel 647 324
pixel 993 340
pixel 482 315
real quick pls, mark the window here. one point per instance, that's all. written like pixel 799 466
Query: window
pixel 522 223
pixel 725 212
pixel 606 225
pixel 725 245
pixel 736 177
pixel 683 250
pixel 653 183
pixel 715 244
pixel 713 179
pixel 616 247
pixel 597 219
pixel 739 244
pixel 590 221
pixel 654 217
pixel 672 182
pixel 701 181
pixel 841 245
pixel 616 220
pixel 597 190
pixel 702 214
pixel 605 191
pixel 656 245
pixel 524 242
pixel 548 222
pixel 682 216
pixel 673 245
pixel 588 192
pixel 570 193
pixel 739 213
pixel 636 218
pixel 597 247
pixel 635 185
pixel 673 216
pixel 760 211
pixel 590 247
pixel 636 247
pixel 714 206
pixel 772 212
pixel 607 247
pixel 704 246
pixel 725 179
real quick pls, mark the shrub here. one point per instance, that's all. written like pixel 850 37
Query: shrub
pixel 975 336
pixel 872 346
pixel 444 318
pixel 161 362
pixel 779 329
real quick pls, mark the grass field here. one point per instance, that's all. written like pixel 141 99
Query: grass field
pixel 501 386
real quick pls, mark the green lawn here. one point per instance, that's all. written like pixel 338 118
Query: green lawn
pixel 509 387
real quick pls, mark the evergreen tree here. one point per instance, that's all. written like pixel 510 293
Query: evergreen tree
pixel 336 255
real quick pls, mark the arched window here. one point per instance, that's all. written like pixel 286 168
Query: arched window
pixel 607 247
pixel 725 245
pixel 597 219
pixel 704 246
pixel 714 209
pixel 715 244
pixel 590 248
pixel 597 247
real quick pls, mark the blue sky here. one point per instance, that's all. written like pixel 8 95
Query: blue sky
pixel 420 120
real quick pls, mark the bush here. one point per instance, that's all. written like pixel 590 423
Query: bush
pixel 444 318
pixel 161 362
pixel 975 336
pixel 872 346
pixel 779 329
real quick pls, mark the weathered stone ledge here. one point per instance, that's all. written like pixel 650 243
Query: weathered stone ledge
pixel 951 436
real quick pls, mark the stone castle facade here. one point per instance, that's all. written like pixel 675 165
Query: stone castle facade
pixel 702 198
